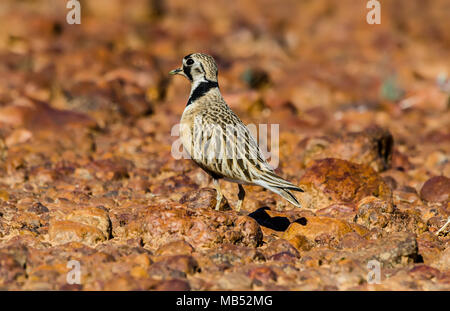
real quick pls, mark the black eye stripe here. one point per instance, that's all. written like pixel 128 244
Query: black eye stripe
pixel 187 72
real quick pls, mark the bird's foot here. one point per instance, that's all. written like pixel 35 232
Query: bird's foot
pixel 238 205
pixel 219 200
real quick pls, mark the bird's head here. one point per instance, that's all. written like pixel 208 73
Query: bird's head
pixel 198 67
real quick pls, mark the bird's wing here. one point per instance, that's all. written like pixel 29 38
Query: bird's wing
pixel 224 146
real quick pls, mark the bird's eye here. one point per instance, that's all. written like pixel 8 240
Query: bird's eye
pixel 189 62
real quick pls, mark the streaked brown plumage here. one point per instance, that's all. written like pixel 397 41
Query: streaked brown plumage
pixel 217 140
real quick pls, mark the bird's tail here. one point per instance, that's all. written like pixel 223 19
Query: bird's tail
pixel 280 186
pixel 285 193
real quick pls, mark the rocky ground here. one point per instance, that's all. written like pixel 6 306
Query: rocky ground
pixel 87 171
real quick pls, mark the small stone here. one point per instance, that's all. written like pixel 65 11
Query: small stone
pixel 398 248
pixel 302 243
pixel 180 247
pixel 204 198
pixel 371 202
pixel 443 263
pixel 375 213
pixel 125 283
pixel 173 285
pixel 436 189
pixel 232 254
pixel 83 173
pixel 262 274
pixel 316 226
pixel 234 281
pixel 38 208
pixel 184 263
pixel 139 272
pixel 424 272
pixel 10 269
pixel 4 195
pixel 352 240
pixel 345 212
pixel 430 247
pixel 108 169
pixel 287 257
pixel 330 181
pixel 18 136
pixel 174 187
pixel 372 147
pixel 61 232
pixel 92 216
pixel 279 246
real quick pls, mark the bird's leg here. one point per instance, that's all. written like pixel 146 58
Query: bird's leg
pixel 241 196
pixel 219 193
pixel 444 226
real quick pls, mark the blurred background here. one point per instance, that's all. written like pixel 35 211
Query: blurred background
pixel 315 67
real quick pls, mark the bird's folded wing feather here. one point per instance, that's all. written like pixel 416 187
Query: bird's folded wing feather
pixel 227 148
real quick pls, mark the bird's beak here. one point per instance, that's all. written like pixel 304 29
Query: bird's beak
pixel 176 71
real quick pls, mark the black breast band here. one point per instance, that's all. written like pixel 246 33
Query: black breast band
pixel 201 90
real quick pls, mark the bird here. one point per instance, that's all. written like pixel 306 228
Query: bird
pixel 218 141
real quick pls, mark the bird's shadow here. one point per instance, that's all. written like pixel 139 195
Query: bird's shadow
pixel 276 223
